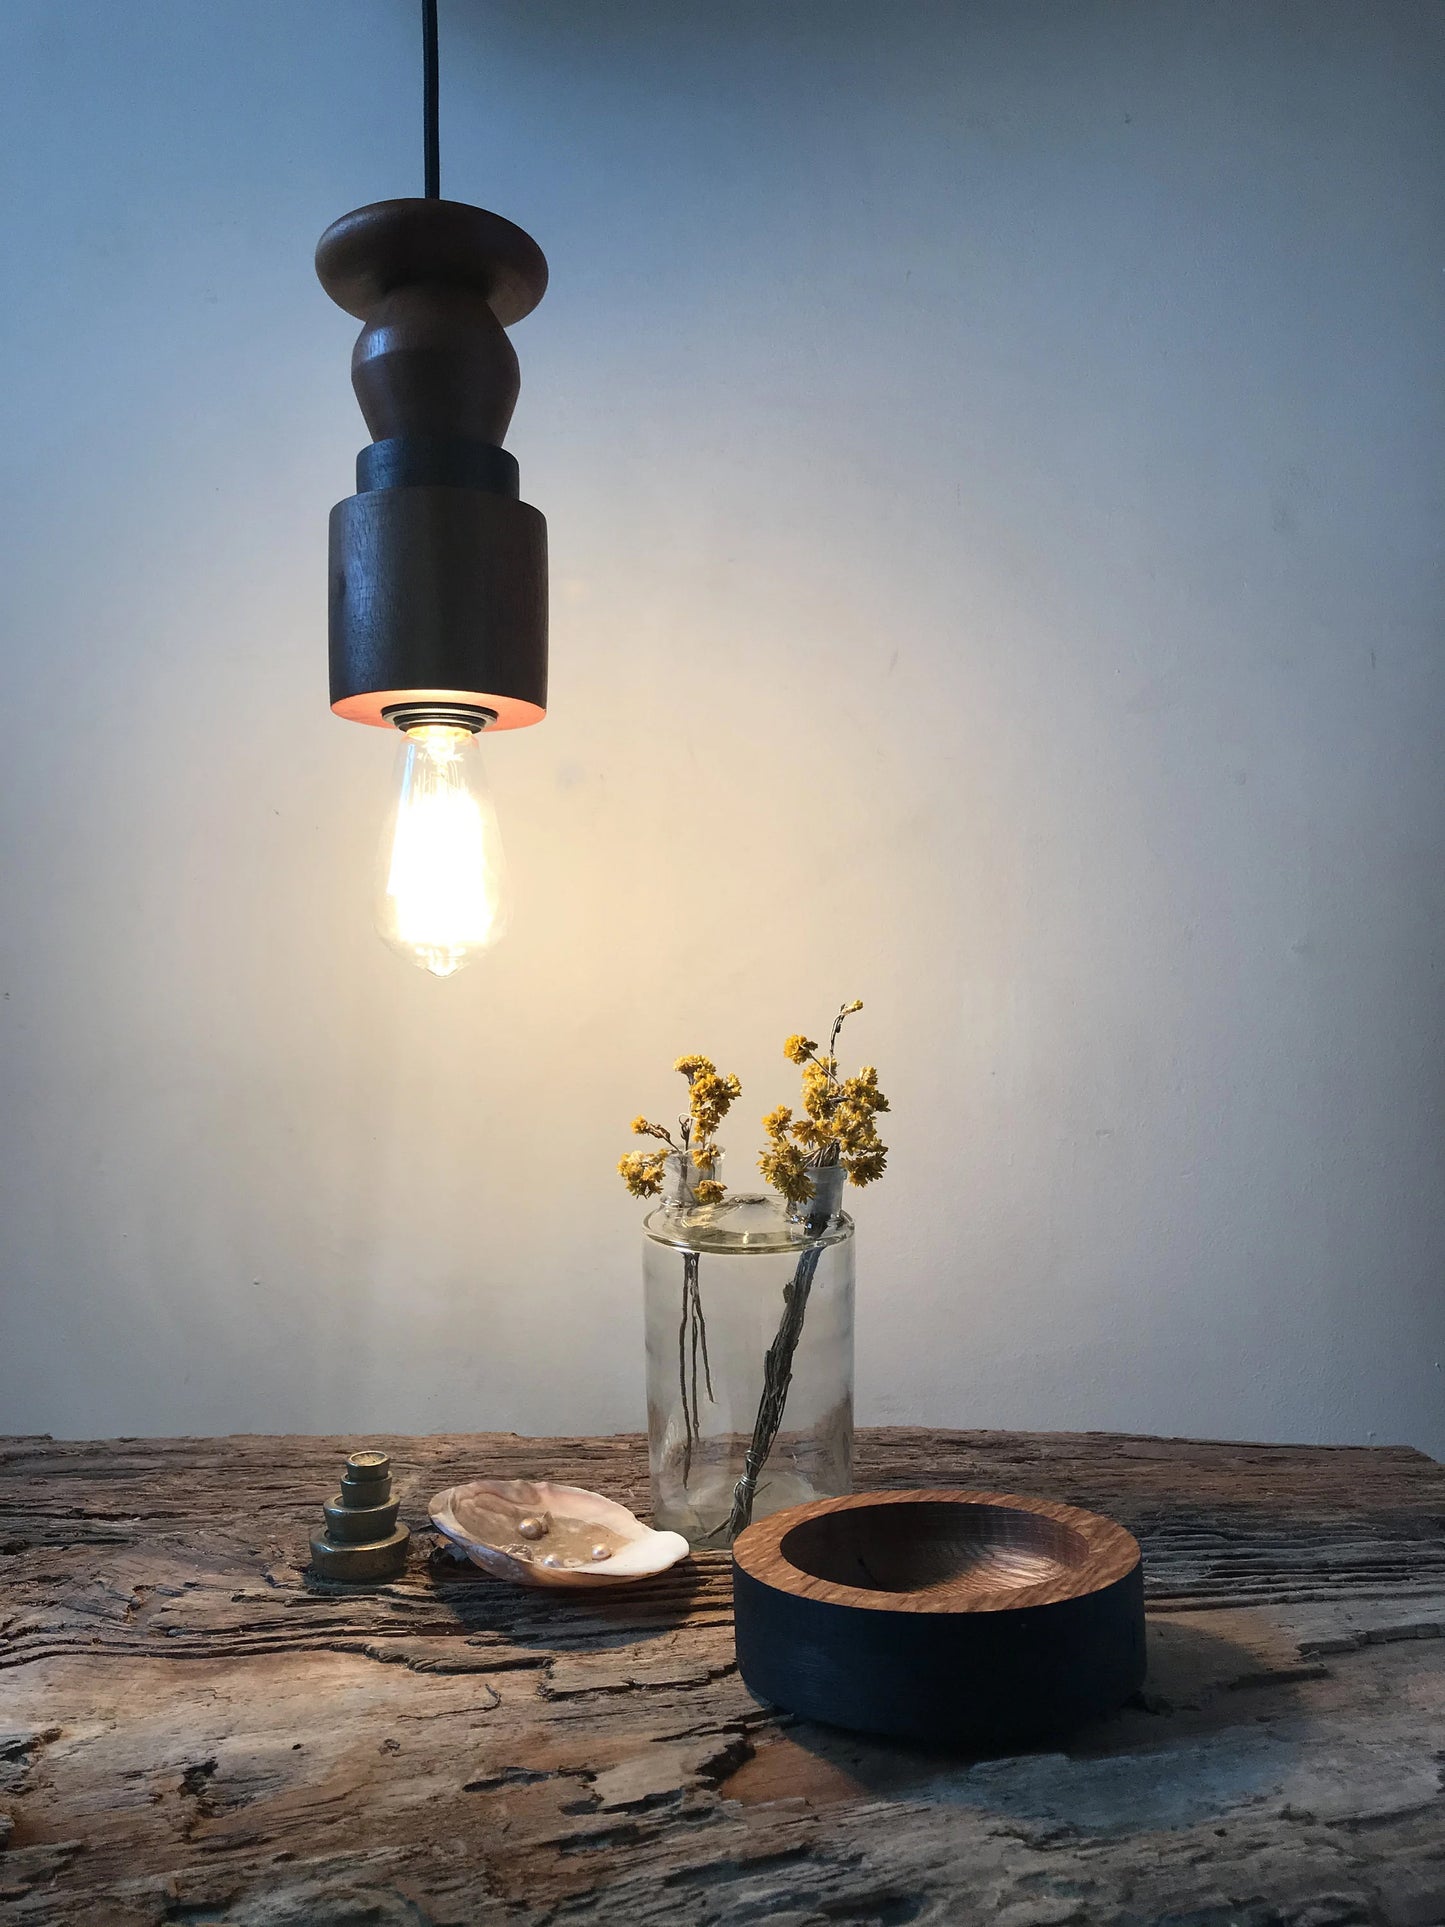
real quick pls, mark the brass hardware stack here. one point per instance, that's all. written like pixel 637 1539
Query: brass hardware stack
pixel 362 1539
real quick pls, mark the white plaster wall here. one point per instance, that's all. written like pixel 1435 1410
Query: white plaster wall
pixel 993 455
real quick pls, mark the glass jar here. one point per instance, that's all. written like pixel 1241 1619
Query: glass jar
pixel 749 1307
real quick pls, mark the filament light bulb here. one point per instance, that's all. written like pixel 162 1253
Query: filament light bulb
pixel 442 894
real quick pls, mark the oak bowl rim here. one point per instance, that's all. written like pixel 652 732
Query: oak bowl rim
pixel 1113 1554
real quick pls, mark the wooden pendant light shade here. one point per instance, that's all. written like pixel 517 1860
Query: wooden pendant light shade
pixel 438 570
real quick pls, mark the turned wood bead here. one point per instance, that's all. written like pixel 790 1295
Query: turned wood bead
pixel 434 360
pixel 392 244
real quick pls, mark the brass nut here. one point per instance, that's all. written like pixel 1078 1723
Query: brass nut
pixel 350 1525
pixel 365 1492
pixel 383 1561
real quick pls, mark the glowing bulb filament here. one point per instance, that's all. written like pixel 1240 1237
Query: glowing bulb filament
pixel 442 893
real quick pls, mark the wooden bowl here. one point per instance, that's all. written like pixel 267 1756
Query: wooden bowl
pixel 958 1618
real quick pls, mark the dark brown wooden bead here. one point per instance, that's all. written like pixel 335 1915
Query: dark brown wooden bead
pixel 435 361
pixel 395 244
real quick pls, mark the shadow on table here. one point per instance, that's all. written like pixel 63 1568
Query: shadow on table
pixel 564 1619
pixel 1193 1745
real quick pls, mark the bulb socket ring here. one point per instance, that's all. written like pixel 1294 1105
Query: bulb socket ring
pixel 470 716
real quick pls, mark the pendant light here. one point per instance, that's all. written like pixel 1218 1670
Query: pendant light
pixel 438 574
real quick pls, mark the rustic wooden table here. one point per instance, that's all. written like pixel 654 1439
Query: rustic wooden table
pixel 193 1730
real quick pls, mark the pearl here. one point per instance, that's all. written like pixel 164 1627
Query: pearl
pixel 550 1559
pixel 533 1528
pixel 602 1552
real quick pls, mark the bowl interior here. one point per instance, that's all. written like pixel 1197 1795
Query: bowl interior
pixel 911 1546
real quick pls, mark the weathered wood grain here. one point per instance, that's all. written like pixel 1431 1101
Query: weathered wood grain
pixel 192 1729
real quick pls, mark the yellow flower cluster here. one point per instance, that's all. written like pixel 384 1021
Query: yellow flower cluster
pixel 642 1172
pixel 785 1164
pixel 837 1124
pixel 709 1099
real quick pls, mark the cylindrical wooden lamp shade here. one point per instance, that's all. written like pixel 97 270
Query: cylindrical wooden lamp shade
pixel 438 575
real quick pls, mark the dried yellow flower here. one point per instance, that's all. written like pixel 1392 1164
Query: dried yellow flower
pixel 869 1165
pixel 817 1089
pixel 786 1169
pixel 836 1125
pixel 709 1098
pixel 642 1172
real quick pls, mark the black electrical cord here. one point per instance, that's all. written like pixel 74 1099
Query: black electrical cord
pixel 431 137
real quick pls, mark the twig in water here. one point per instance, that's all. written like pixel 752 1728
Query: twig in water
pixel 692 1333
pixel 777 1377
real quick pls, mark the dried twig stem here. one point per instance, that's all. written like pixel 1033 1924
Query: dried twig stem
pixel 777 1377
pixel 692 1339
